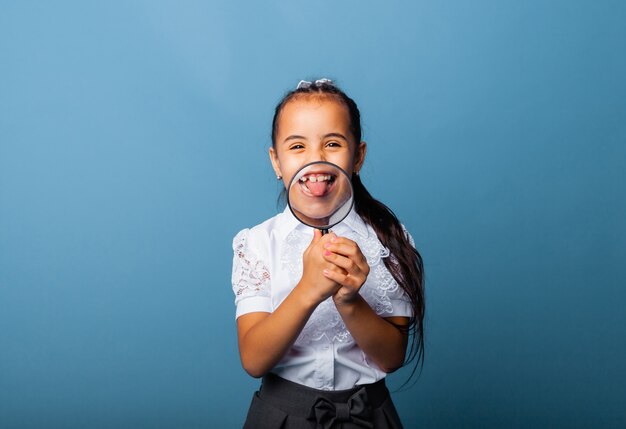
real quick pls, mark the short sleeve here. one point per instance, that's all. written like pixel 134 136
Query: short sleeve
pixel 250 279
pixel 381 290
pixel 408 236
pixel 399 300
pixel 396 300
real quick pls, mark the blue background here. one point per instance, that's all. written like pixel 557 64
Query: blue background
pixel 133 147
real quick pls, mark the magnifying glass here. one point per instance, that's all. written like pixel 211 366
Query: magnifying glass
pixel 320 195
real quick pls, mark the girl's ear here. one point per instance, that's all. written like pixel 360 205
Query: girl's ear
pixel 275 162
pixel 359 158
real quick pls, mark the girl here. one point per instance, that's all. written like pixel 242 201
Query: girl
pixel 323 318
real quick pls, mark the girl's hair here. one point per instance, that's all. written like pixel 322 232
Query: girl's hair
pixel 406 264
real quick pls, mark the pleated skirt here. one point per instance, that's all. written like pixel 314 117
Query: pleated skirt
pixel 282 404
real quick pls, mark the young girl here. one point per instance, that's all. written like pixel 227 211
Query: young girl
pixel 323 318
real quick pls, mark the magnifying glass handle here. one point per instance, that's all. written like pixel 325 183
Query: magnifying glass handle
pixel 324 231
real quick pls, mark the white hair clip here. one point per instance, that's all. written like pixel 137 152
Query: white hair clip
pixel 306 84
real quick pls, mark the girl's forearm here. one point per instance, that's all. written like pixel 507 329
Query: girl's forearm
pixel 264 338
pixel 381 341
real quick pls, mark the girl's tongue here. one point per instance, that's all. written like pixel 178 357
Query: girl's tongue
pixel 318 188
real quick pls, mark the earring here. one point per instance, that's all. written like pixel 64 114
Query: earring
pixel 279 177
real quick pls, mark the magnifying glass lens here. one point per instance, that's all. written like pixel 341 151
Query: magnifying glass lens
pixel 320 195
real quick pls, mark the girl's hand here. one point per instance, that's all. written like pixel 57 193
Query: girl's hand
pixel 354 269
pixel 314 282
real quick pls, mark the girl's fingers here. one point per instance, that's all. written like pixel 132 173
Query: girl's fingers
pixel 342 278
pixel 351 265
pixel 345 249
pixel 351 273
pixel 317 235
pixel 345 255
pixel 341 261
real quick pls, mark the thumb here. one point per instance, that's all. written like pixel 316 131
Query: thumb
pixel 317 236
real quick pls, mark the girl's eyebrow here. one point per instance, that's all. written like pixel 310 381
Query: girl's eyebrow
pixel 297 137
pixel 337 135
pixel 294 137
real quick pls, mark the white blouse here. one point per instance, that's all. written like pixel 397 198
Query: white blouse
pixel 267 265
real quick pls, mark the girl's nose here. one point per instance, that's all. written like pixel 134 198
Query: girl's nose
pixel 318 156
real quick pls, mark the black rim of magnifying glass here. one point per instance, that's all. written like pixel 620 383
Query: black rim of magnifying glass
pixel 298 175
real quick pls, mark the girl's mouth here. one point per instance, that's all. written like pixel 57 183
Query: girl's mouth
pixel 317 184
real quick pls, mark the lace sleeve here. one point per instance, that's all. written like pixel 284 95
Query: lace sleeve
pixel 389 298
pixel 250 279
pixel 408 235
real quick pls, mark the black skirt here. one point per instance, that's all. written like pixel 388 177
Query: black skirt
pixel 282 404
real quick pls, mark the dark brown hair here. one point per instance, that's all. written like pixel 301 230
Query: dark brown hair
pixel 406 265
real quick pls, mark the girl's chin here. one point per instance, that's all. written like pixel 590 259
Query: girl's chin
pixel 317 212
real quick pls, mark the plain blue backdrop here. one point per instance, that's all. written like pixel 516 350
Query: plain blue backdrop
pixel 133 147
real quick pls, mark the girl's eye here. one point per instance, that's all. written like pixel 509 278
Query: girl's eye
pixel 333 144
pixel 296 146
